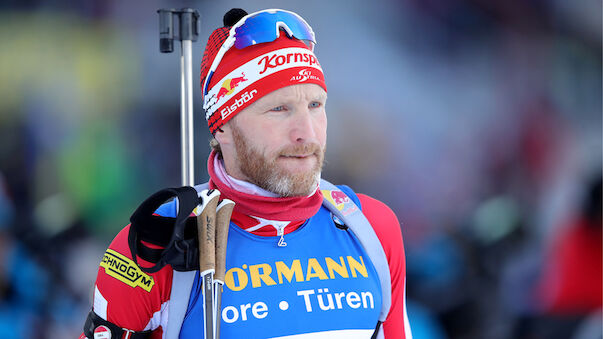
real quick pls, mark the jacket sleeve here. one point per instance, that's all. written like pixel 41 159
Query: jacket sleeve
pixel 387 228
pixel 126 296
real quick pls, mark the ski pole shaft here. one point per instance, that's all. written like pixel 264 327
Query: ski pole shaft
pixel 186 115
pixel 187 33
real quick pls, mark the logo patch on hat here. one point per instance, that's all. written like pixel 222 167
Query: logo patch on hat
pixel 229 85
pixel 245 97
pixel 304 75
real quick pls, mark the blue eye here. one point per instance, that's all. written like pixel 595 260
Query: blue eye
pixel 315 104
pixel 278 109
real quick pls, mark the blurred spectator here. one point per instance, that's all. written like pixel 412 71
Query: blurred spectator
pixel 572 280
pixel 23 283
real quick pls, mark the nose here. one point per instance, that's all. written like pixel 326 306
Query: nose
pixel 303 127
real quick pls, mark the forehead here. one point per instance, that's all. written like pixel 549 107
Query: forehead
pixel 293 93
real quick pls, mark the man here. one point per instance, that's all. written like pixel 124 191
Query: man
pixel 293 269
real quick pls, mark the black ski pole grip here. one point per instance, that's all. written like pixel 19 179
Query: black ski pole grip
pixel 166 30
pixel 189 24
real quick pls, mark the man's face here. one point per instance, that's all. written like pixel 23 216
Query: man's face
pixel 278 142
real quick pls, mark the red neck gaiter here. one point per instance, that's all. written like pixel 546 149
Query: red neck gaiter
pixel 292 209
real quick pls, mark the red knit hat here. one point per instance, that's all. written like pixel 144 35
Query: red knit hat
pixel 245 75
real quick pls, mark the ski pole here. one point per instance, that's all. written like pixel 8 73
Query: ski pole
pixel 188 31
pixel 206 231
pixel 224 211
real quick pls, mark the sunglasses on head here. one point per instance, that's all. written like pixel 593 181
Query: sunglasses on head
pixel 260 27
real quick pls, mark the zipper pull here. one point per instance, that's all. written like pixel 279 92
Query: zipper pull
pixel 280 230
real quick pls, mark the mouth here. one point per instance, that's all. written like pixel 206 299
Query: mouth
pixel 298 161
pixel 298 156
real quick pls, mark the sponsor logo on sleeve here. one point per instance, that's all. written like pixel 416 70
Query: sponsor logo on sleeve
pixel 125 270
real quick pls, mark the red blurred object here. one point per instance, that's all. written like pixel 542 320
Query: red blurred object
pixel 573 278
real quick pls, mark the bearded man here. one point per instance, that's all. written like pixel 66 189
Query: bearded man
pixel 294 269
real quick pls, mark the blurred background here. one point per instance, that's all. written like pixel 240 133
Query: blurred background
pixel 477 121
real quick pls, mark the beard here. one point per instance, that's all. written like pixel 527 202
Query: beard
pixel 266 173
